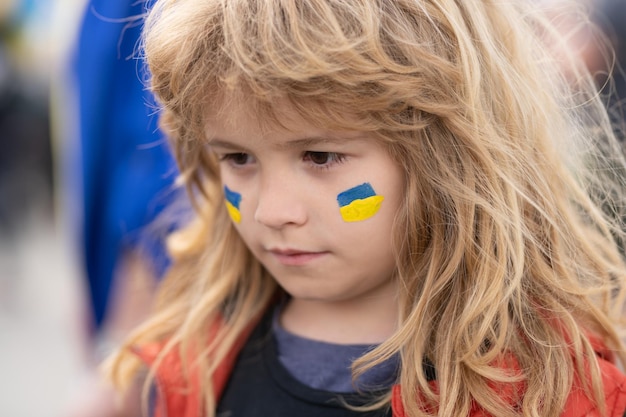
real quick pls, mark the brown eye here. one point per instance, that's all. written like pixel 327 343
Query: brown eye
pixel 319 158
pixel 323 160
pixel 238 158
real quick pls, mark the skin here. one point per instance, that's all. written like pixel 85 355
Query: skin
pixel 339 274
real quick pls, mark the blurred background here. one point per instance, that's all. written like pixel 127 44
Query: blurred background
pixel 83 175
pixel 68 224
pixel 41 352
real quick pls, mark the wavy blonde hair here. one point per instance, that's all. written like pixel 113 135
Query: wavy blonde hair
pixel 508 237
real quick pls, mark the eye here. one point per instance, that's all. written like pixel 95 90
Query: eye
pixel 323 159
pixel 238 158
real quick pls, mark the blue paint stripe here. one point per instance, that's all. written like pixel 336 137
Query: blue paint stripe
pixel 356 193
pixel 232 197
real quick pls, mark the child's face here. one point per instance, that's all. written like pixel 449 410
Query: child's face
pixel 291 196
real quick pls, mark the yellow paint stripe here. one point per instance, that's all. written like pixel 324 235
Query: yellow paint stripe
pixel 233 212
pixel 361 209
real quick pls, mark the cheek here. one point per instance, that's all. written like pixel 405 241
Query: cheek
pixel 233 204
pixel 359 203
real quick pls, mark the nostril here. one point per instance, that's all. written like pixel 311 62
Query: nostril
pixel 278 209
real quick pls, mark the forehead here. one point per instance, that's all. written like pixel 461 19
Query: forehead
pixel 236 116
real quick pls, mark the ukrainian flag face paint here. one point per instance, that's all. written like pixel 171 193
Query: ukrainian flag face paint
pixel 233 200
pixel 359 203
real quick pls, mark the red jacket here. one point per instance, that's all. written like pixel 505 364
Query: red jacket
pixel 180 398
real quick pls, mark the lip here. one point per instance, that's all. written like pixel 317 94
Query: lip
pixel 295 257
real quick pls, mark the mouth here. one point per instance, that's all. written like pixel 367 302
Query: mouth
pixel 295 257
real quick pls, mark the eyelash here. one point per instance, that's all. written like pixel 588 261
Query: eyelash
pixel 334 158
pixel 231 158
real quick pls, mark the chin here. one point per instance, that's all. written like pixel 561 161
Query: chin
pixel 310 294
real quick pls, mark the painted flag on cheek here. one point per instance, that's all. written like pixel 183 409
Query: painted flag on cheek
pixel 359 203
pixel 233 200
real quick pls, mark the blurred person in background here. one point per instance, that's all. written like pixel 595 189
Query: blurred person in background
pixel 118 177
pixel 25 151
pixel 602 46
pixel 603 49
pixel 611 17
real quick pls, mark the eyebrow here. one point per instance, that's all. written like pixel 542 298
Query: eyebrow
pixel 300 143
pixel 219 143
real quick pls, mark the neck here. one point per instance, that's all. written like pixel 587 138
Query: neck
pixel 369 321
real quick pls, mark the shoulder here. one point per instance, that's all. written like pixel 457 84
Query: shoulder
pixel 578 403
pixel 614 386
pixel 177 379
pixel 176 385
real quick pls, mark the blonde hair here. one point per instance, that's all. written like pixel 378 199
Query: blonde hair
pixel 508 236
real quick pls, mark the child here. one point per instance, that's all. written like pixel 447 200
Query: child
pixel 404 209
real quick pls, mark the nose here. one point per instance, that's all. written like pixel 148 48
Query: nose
pixel 280 202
